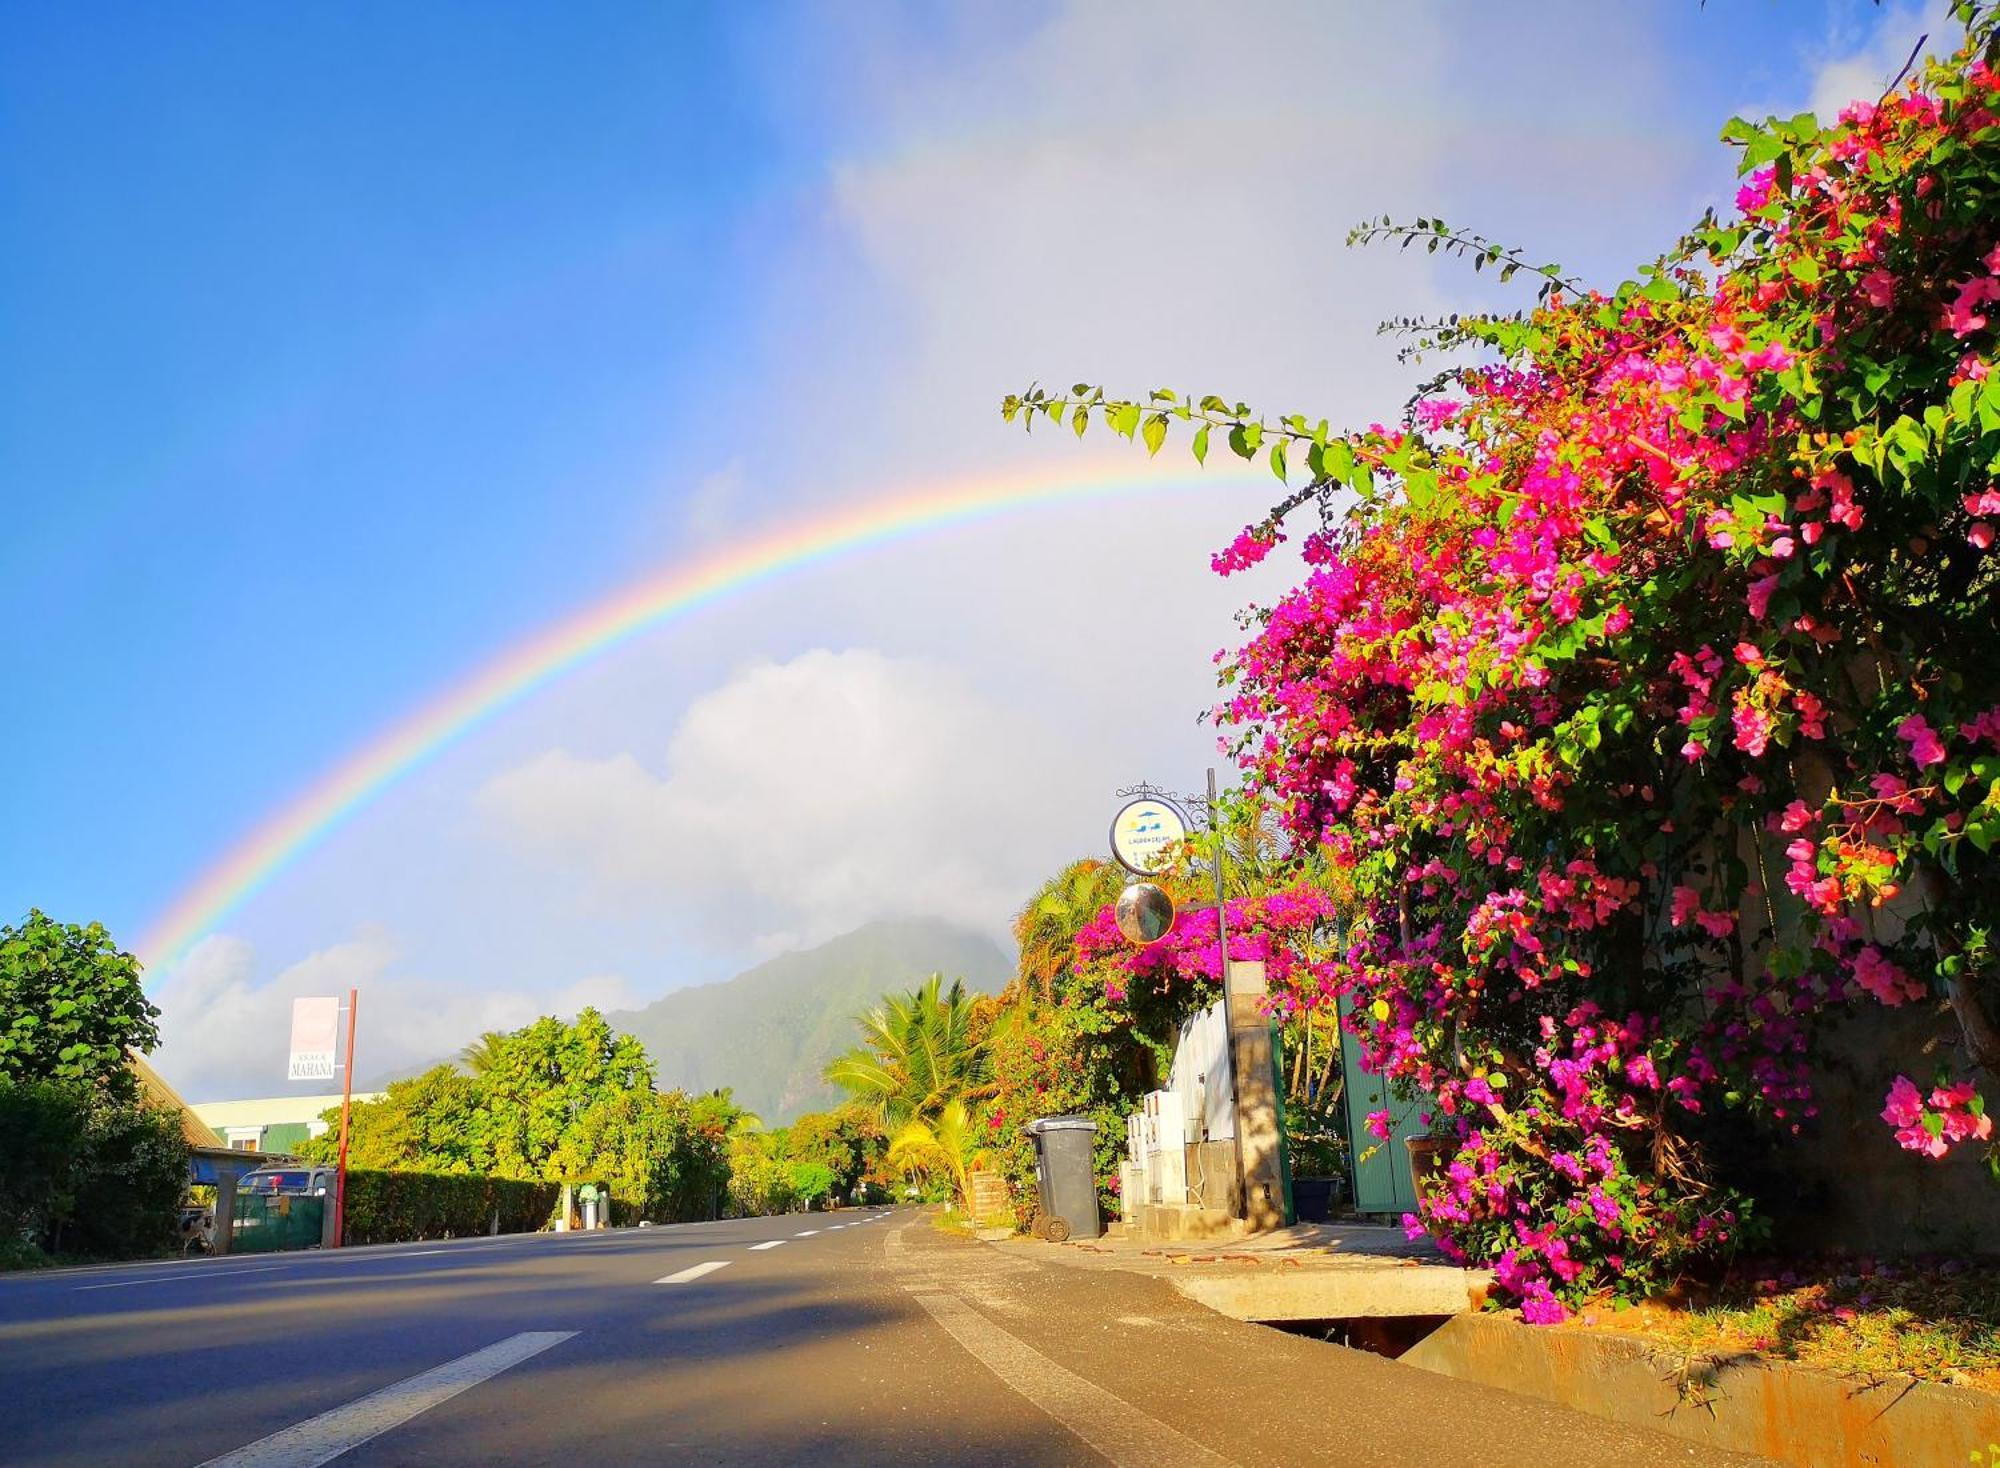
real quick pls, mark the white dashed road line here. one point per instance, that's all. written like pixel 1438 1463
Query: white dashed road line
pixel 325 1437
pixel 694 1272
pixel 806 1234
pixel 767 1244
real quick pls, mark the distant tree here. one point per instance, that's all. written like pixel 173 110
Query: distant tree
pixel 433 1122
pixel 544 1078
pixel 480 1055
pixel 553 1102
pixel 809 1180
pixel 848 1142
pixel 950 1145
pixel 920 1051
pixel 71 1005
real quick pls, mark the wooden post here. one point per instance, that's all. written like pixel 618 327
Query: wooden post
pixel 346 1105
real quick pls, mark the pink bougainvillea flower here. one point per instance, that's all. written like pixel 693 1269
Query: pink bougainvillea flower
pixel 1981 534
pixel 1925 746
pixel 1904 1104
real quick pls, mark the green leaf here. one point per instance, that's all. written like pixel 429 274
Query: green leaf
pixel 1201 444
pixel 1156 432
pixel 1278 460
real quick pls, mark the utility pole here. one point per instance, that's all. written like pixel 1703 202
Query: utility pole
pixel 346 1106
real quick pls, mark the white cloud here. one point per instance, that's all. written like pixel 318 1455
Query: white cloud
pixel 803 798
pixel 225 1034
pixel 1859 67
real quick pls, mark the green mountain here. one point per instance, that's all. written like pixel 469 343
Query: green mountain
pixel 769 1032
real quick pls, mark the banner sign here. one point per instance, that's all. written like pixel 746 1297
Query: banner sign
pixel 315 1023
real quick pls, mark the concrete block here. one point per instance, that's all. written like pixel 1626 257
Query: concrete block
pixel 1172 1222
pixel 1282 1294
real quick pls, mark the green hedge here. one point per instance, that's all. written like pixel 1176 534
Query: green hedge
pixel 398 1207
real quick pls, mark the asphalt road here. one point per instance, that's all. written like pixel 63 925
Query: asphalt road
pixel 853 1338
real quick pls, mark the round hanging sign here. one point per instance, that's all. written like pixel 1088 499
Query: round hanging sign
pixel 1145 913
pixel 1143 833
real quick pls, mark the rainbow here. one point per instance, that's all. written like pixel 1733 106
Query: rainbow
pixel 586 634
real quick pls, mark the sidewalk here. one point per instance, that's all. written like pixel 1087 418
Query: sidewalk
pixel 1310 1271
pixel 1147 1377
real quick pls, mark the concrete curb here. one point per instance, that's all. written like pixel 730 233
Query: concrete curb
pixel 1746 1404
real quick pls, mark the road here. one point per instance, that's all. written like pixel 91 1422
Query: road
pixel 853 1338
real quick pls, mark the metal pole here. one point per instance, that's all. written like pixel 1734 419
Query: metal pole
pixel 1221 909
pixel 346 1106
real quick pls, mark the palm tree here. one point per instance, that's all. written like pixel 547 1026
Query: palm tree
pixel 1046 927
pixel 918 1054
pixel 949 1143
pixel 483 1053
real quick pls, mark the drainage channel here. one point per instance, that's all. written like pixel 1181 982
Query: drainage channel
pixel 1381 1335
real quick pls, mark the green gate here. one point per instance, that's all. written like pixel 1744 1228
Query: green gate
pixel 1382 1182
pixel 268 1222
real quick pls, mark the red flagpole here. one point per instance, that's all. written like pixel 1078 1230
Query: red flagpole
pixel 346 1102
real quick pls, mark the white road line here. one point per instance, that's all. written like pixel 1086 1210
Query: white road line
pixel 1112 1425
pixel 694 1272
pixel 126 1284
pixel 767 1244
pixel 325 1437
pixel 805 1234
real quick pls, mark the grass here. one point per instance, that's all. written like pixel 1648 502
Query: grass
pixel 1931 1319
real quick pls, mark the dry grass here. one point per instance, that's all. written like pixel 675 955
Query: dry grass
pixel 1935 1320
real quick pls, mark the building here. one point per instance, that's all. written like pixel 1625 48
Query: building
pixel 271 1123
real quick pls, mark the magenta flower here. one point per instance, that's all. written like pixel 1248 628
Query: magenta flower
pixel 1925 746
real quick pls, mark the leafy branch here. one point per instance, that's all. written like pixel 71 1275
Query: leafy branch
pixel 1327 456
pixel 1436 235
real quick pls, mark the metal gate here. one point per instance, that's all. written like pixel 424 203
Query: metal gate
pixel 266 1223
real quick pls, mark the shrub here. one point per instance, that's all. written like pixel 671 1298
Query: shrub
pixel 83 1172
pixel 400 1207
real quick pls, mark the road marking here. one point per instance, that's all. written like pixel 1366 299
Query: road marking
pixel 1117 1429
pixel 768 1244
pixel 806 1234
pixel 126 1284
pixel 694 1272
pixel 325 1437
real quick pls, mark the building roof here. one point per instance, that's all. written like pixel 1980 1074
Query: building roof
pixel 156 1092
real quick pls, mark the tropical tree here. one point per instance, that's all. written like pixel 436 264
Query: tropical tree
pixel 483 1053
pixel 920 1051
pixel 1045 928
pixel 950 1145
pixel 71 1006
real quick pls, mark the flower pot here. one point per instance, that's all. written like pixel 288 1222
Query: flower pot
pixel 1427 1160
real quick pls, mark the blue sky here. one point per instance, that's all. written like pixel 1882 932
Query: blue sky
pixel 346 346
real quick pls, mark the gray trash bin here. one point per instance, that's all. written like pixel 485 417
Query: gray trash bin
pixel 1065 1176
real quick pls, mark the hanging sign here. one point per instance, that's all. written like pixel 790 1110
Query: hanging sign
pixel 1143 833
pixel 315 1022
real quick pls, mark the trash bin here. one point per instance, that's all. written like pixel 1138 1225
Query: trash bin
pixel 1065 1177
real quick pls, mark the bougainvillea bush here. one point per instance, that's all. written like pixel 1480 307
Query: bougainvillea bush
pixel 1643 687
